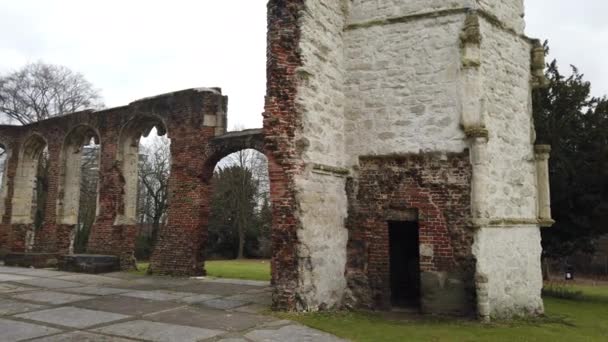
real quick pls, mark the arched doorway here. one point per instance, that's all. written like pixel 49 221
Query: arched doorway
pixel 240 218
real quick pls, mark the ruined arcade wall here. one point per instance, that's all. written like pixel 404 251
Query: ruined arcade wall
pixel 192 117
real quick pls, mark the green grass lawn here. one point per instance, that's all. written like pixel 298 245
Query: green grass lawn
pixel 567 320
pixel 235 269
pixel 583 319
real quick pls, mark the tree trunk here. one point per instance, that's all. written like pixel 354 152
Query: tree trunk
pixel 241 241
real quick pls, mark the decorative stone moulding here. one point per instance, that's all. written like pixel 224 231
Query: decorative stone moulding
pixel 471 41
pixel 543 153
pixel 538 65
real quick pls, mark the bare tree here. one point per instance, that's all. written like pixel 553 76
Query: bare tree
pixel 154 168
pixel 39 91
pixel 89 178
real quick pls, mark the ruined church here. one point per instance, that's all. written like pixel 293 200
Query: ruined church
pixel 402 161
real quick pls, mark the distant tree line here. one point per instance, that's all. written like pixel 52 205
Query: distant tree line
pixel 575 124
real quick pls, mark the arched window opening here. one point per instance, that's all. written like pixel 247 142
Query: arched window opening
pixel 153 184
pixel 31 184
pixel 3 178
pixel 77 203
pixel 145 161
pixel 240 212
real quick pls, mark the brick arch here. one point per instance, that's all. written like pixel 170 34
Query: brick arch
pixel 226 144
pixel 128 159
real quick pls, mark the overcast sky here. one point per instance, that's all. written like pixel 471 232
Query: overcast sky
pixel 138 48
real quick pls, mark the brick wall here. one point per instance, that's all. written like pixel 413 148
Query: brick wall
pixel 281 120
pixel 386 188
pixel 182 115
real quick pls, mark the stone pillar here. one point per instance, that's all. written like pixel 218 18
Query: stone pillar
pixel 480 181
pixel 46 237
pixel 104 234
pixel 181 242
pixel 542 153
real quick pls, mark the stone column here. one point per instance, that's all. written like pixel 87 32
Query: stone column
pixel 480 182
pixel 542 153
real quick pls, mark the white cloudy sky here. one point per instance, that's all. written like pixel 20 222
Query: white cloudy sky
pixel 137 48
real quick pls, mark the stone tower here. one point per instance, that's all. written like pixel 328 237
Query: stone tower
pixel 392 116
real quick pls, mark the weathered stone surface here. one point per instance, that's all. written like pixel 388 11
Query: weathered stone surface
pixel 197 298
pixel 158 295
pixel 48 283
pixel 210 319
pixel 137 318
pixel 347 82
pixel 95 290
pixel 81 336
pixel 447 293
pixel 73 317
pixel 295 333
pixel 11 307
pixel 161 332
pixel 36 260
pixel 50 297
pixel 88 263
pixel 12 277
pixel 17 331
pixel 127 305
pixel 222 304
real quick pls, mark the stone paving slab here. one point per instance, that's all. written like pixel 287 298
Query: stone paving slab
pixel 259 298
pixel 210 319
pixel 12 307
pixel 214 288
pixel 48 283
pixel 12 288
pixel 42 304
pixel 251 308
pixel 13 277
pixel 17 331
pixel 73 317
pixel 295 333
pixel 33 272
pixel 90 279
pixel 81 336
pixel 197 298
pixel 95 290
pixel 158 295
pixel 51 297
pixel 222 304
pixel 127 305
pixel 160 332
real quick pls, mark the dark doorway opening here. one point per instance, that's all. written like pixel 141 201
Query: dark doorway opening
pixel 404 263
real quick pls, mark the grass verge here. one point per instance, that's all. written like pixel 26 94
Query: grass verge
pixel 583 319
pixel 234 269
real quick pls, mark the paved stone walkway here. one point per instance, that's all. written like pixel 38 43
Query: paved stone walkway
pixel 51 306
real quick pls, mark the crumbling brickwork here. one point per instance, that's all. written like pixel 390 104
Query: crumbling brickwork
pixel 374 110
pixel 191 118
pixel 281 120
pixel 437 188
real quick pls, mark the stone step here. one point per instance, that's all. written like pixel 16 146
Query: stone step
pixel 89 263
